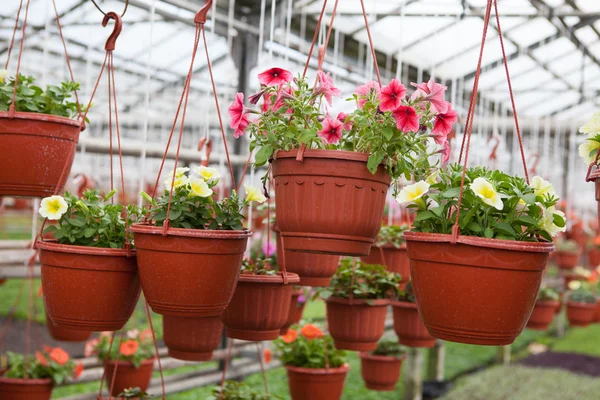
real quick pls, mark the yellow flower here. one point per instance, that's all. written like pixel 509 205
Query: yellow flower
pixel 588 149
pixel 486 192
pixel 199 188
pixel 432 179
pixel 3 74
pixel 574 285
pixel 207 173
pixel 179 181
pixel 412 192
pixel 541 187
pixel 593 126
pixel 53 207
pixel 547 222
pixel 254 194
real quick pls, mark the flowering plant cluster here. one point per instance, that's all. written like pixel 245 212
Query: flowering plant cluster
pixel 258 266
pixel 494 205
pixel 594 243
pixel 407 294
pixel 306 348
pixel 192 205
pixel 392 128
pixel 233 390
pixel 389 347
pixel 52 363
pixel 391 234
pixel 581 292
pixel 589 148
pixel 548 294
pixel 90 220
pixel 134 393
pixel 567 245
pixel 136 347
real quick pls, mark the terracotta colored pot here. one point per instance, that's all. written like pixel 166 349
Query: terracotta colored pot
pixel 581 314
pixel 594 257
pixel 380 372
pixel 542 314
pixel 597 313
pixel 408 325
pixel 328 202
pixel 318 383
pixel 478 291
pixel 260 307
pixel 88 288
pixel 358 325
pixel 128 376
pixel 313 269
pixel 396 259
pixel 25 389
pixel 189 272
pixel 36 149
pixel 2 281
pixel 295 312
pixel 192 339
pixel 567 259
pixel 66 335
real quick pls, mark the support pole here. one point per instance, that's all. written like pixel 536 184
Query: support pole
pixel 414 378
pixel 503 355
pixel 435 362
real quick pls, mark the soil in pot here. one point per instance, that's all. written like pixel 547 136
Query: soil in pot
pixel 295 312
pixel 128 375
pixel 380 373
pixel 192 339
pixel 88 288
pixel 307 217
pixel 320 383
pixel 25 389
pixel 64 334
pixel 478 291
pixel 581 314
pixel 408 325
pixel 566 259
pixel 356 325
pixel 260 307
pixel 542 314
pixel 396 259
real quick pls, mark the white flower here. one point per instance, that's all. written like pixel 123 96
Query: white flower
pixel 254 194
pixel 411 193
pixel 3 74
pixel 432 179
pixel 207 173
pixel 199 188
pixel 588 149
pixel 53 207
pixel 133 334
pixel 486 192
pixel 179 172
pixel 542 187
pixel 574 285
pixel 593 126
pixel 178 182
pixel 547 222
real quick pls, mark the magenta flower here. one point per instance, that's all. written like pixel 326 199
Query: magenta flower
pixel 325 87
pixel 332 130
pixel 432 92
pixel 237 111
pixel 342 118
pixel 444 121
pixel 365 90
pixel 256 97
pixel 406 119
pixel 391 96
pixel 275 77
pixel 269 249
pixel 445 152
pixel 243 125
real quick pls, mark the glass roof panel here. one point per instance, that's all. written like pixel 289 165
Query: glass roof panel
pixel 531 32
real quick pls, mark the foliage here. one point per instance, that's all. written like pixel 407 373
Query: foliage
pixel 407 294
pixel 135 393
pixel 389 347
pixel 506 207
pixel 307 349
pixel 583 294
pixel 260 266
pixel 392 234
pixel 135 348
pixel 568 246
pixel 53 363
pixel 238 391
pixel 548 294
pixel 588 150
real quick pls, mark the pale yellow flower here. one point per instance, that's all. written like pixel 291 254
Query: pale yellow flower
pixel 593 126
pixel 547 222
pixel 432 179
pixel 207 173
pixel 254 194
pixel 53 207
pixel 199 188
pixel 486 192
pixel 411 193
pixel 3 74
pixel 574 285
pixel 542 187
pixel 179 181
pixel 179 172
pixel 588 149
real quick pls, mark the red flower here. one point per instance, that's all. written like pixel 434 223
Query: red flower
pixel 311 331
pixel 41 359
pixel 60 356
pixel 332 130
pixel 129 347
pixel 146 334
pixel 267 355
pixel 326 88
pixel 342 117
pixel 290 336
pixel 442 126
pixel 90 347
pixel 365 90
pixel 275 76
pixel 237 111
pixel 432 92
pixel 391 96
pixel 445 152
pixel 406 118
pixel 256 97
pixel 78 370
pixel 241 129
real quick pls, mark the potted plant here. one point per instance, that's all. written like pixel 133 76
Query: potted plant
pixel 407 323
pixel 315 368
pixel 380 368
pixel 594 252
pixel 567 254
pixel 133 359
pixel 39 134
pixel 344 164
pixel 88 260
pixel 192 339
pixel 357 302
pixel 578 273
pixel 588 150
pixel 479 286
pixel 390 250
pixel 232 390
pixel 135 394
pixel 33 378
pixel 581 304
pixel 545 306
pixel 296 309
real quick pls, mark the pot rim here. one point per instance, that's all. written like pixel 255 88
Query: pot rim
pixel 403 304
pixel 41 117
pixel 511 245
pixel 549 303
pixel 149 229
pixel 319 371
pixel 581 305
pixel 129 363
pixel 253 278
pixel 23 381
pixel 321 153
pixel 379 357
pixel 576 252
pixel 83 250
pixel 374 302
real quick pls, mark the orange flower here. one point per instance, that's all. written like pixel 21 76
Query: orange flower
pixel 59 355
pixel 78 370
pixel 90 347
pixel 129 347
pixel 596 241
pixel 267 355
pixel 290 336
pixel 311 331
pixel 47 349
pixel 146 334
pixel 41 359
pixel 593 278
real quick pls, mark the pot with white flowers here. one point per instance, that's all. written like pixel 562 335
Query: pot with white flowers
pixel 581 304
pixel 332 173
pixel 544 310
pixel 89 274
pixel 567 254
pixel 479 287
pixel 390 250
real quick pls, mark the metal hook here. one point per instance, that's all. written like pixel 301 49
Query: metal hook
pixel 201 15
pixel 122 14
pixel 112 39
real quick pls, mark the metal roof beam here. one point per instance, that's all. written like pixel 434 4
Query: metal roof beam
pixel 478 13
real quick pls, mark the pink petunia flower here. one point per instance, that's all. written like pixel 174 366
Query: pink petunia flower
pixel 442 126
pixel 275 77
pixel 256 97
pixel 241 128
pixel 325 87
pixel 406 119
pixel 269 249
pixel 391 96
pixel 365 90
pixel 237 111
pixel 432 92
pixel 445 152
pixel 342 118
pixel 332 130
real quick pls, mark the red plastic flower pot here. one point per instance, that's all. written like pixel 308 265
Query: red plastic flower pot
pixel 380 373
pixel 597 313
pixel 192 339
pixel 581 314
pixel 327 201
pixel 66 335
pixel 260 307
pixel 317 383
pixel 128 376
pixel 25 389
pixel 542 314
pixel 358 324
pixel 36 150
pixel 88 288
pixel 189 272
pixel 408 325
pixel 295 312
pixel 594 257
pixel 396 259
pixel 313 269
pixel 477 291
pixel 567 259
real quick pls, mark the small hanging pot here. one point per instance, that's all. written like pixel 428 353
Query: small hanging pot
pixel 128 376
pixel 567 260
pixel 356 324
pixel 594 257
pixel 380 373
pixel 295 312
pixel 408 325
pixel 66 335
pixel 25 389
pixel 394 258
pixel 327 201
pixel 581 314
pixel 316 383
pixel 192 339
pixel 597 313
pixel 542 314
pixel 260 306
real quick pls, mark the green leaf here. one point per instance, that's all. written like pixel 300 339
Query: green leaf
pixel 451 193
pixel 89 232
pixel 373 162
pixel 504 228
pixel 424 215
pixel 474 227
pixel 488 233
pixel 526 220
pixel 263 155
pixel 558 220
pixel 529 198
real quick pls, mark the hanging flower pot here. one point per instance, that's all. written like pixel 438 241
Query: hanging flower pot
pixel 544 310
pixel 296 309
pixel 128 375
pixel 380 369
pixel 312 383
pixel 408 325
pixel 192 339
pixel 25 389
pixel 567 254
pixel 581 306
pixel 390 250
pixel 597 313
pixel 260 306
pixel 66 335
pixel 594 257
